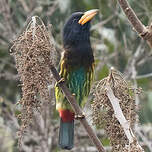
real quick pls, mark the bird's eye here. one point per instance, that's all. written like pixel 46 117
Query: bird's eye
pixel 76 28
pixel 74 20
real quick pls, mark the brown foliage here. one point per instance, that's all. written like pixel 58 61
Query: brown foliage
pixel 33 54
pixel 103 112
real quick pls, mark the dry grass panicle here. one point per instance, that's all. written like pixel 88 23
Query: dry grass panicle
pixel 103 112
pixel 34 53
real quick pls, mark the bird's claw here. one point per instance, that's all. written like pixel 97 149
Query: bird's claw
pixel 78 117
pixel 60 81
pixel 73 94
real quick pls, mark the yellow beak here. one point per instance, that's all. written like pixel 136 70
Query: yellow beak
pixel 88 16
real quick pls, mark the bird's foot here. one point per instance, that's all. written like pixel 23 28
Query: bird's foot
pixel 78 117
pixel 73 94
pixel 60 81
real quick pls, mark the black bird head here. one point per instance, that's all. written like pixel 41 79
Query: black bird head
pixel 76 29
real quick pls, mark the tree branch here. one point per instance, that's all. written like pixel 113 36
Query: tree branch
pixel 78 111
pixel 144 32
pixel 139 27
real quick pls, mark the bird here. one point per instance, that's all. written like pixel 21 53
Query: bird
pixel 76 68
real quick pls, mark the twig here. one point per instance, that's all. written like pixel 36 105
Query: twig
pixel 121 118
pixel 139 131
pixel 144 76
pixel 119 114
pixel 77 110
pixel 144 32
pixel 103 22
pixel 130 71
pixel 9 76
pixel 25 6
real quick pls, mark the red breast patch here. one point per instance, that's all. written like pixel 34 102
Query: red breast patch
pixel 66 115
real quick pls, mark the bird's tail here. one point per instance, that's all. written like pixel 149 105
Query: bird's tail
pixel 66 134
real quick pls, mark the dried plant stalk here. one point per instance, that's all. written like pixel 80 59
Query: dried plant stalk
pixel 34 53
pixel 103 111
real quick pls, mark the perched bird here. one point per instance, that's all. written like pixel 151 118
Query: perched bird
pixel 76 68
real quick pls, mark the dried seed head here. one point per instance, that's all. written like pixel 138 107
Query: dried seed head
pixel 34 54
pixel 103 111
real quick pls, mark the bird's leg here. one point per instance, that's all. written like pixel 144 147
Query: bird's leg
pixel 78 116
pixel 60 81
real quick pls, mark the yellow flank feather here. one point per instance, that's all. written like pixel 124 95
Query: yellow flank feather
pixel 78 81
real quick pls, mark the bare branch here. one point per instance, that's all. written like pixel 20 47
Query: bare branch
pixel 119 114
pixel 138 26
pixel 140 131
pixel 103 22
pixel 144 32
pixel 144 76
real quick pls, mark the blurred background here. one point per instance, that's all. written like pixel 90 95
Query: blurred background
pixel 115 43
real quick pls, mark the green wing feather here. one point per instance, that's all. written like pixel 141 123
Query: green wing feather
pixel 78 80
